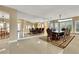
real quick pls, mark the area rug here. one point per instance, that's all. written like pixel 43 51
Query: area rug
pixel 62 43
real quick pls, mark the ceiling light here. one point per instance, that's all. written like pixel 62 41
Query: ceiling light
pixel 64 20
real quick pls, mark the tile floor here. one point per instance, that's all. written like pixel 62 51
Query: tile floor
pixel 73 47
pixel 35 45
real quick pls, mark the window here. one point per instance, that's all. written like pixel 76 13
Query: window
pixel 77 26
pixel 56 26
pixel 66 24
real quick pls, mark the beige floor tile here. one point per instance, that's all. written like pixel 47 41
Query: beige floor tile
pixel 35 45
pixel 73 47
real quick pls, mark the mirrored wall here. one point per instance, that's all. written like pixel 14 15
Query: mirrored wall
pixel 4 25
pixel 29 29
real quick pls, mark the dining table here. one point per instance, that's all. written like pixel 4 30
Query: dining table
pixel 58 33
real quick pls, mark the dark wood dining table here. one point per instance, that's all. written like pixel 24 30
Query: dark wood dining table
pixel 58 33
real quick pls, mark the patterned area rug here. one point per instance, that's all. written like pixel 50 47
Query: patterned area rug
pixel 62 43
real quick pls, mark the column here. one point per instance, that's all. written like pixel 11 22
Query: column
pixel 45 28
pixel 22 27
pixel 5 29
pixel 13 26
pixel 26 30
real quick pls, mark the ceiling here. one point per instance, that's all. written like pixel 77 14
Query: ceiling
pixel 48 11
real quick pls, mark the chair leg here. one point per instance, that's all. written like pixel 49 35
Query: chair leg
pixel 49 39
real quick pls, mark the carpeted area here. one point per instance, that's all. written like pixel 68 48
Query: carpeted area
pixel 62 43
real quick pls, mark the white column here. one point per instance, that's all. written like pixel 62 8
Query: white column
pixel 45 28
pixel 13 27
pixel 22 27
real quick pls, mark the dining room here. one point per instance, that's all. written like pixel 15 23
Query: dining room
pixel 32 33
pixel 59 32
